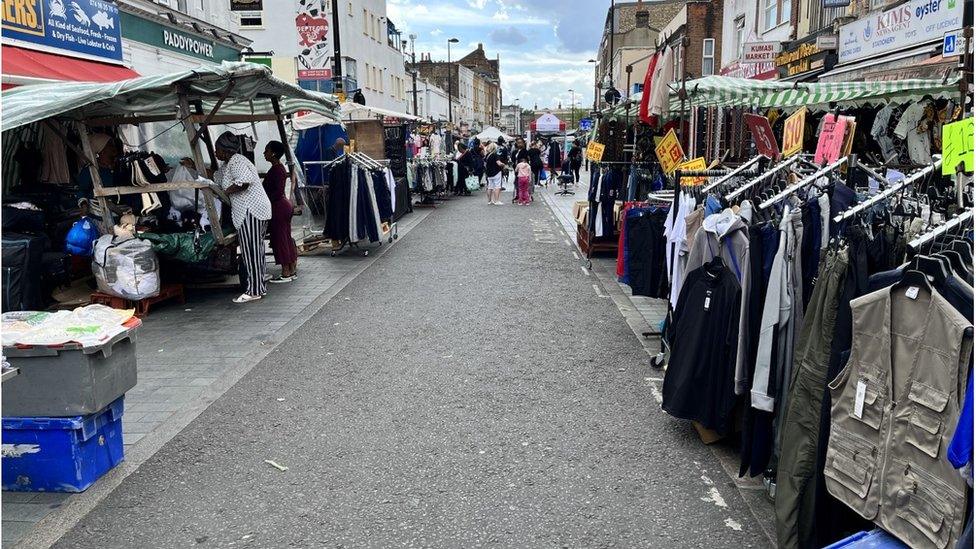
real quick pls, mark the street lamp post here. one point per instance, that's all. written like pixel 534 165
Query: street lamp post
pixel 413 70
pixel 594 82
pixel 572 109
pixel 450 84
pixel 336 51
pixel 518 117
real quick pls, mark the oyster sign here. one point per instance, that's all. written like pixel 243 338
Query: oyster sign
pixel 904 26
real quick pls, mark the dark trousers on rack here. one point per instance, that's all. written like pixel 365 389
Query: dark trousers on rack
pixel 795 490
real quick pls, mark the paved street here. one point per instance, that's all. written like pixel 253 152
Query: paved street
pixel 469 388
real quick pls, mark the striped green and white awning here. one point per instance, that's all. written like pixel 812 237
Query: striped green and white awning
pixel 725 91
pixel 251 85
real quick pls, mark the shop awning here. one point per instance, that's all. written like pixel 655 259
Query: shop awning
pixel 724 91
pixel 547 123
pixel 250 88
pixel 350 112
pixel 22 66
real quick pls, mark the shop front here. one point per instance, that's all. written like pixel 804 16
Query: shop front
pixel 42 44
pixel 898 43
pixel 806 59
pixel 159 44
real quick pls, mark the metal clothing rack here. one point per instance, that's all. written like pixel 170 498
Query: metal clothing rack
pixel 763 177
pixel 428 198
pixel 956 221
pixel 804 182
pixel 897 187
pixel 733 173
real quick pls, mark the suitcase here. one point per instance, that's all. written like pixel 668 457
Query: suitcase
pixel 22 258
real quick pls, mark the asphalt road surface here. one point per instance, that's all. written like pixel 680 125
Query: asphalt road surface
pixel 469 389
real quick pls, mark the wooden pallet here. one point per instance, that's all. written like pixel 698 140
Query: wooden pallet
pixel 142 306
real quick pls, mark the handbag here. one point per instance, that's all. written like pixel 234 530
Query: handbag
pixel 543 175
pixel 471 182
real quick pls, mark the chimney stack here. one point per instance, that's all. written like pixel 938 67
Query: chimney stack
pixel 642 18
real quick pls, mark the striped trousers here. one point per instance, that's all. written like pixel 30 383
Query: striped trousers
pixel 250 235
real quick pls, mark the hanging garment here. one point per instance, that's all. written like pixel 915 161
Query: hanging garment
pixel 643 112
pixel 604 186
pixel 801 424
pixel 337 206
pixel 881 133
pixel 644 228
pixel 368 215
pixel 778 318
pixel 919 143
pixel 384 195
pixel 725 235
pixel 355 234
pixel 391 188
pixel 660 90
pixel 698 384
pixel 55 160
pixel 894 408
pixel 678 246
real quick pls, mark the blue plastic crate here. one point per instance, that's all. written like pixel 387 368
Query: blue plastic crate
pixel 875 539
pixel 61 454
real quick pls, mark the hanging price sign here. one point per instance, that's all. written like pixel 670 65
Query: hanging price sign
pixel 793 132
pixel 669 152
pixel 594 151
pixel 696 165
pixel 957 146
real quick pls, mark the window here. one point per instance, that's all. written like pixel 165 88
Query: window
pixel 776 12
pixel 350 71
pixel 678 55
pixel 708 57
pixel 350 8
pixel 365 22
pixel 369 77
pixel 251 19
pixel 740 35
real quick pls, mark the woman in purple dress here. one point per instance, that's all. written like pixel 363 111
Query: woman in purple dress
pixel 279 229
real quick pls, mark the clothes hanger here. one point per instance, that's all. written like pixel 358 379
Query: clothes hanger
pixel 964 250
pixel 955 262
pixel 933 268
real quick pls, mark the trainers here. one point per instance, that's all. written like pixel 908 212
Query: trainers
pixel 282 279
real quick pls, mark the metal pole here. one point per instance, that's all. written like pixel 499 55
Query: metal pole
pixel 450 89
pixel 572 109
pixel 413 69
pixel 613 15
pixel 336 50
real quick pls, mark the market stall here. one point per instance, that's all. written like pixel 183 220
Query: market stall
pixel 62 122
pixel 847 224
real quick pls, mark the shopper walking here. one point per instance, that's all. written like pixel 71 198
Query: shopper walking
pixel 250 211
pixel 535 160
pixel 576 159
pixel 279 229
pixel 478 161
pixel 494 166
pixel 523 178
pixel 463 159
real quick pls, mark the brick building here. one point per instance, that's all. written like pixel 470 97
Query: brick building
pixel 636 27
pixel 487 87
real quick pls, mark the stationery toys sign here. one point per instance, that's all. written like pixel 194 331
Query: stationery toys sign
pixel 315 48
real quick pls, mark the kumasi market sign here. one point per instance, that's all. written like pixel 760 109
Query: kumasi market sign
pixel 760 52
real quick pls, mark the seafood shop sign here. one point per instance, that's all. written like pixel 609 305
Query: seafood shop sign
pixel 82 28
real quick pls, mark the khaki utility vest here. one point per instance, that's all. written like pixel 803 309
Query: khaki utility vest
pixel 894 410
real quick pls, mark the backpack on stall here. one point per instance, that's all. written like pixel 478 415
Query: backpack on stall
pixel 81 237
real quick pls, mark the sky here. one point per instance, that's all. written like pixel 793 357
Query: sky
pixel 543 45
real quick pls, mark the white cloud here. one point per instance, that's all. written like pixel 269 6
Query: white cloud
pixel 436 32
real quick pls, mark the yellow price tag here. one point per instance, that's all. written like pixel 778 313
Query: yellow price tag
pixel 669 152
pixel 957 146
pixel 594 151
pixel 695 164
pixel 793 132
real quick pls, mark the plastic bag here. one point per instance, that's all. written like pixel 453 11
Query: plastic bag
pixel 471 182
pixel 128 269
pixel 80 237
pixel 183 200
pixel 543 175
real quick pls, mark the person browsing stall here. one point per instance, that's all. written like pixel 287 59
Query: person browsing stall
pixel 279 229
pixel 250 211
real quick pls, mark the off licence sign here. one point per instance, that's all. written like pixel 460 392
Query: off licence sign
pixel 594 151
pixel 669 152
pixel 793 132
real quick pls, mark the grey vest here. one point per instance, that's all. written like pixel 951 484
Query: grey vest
pixel 894 410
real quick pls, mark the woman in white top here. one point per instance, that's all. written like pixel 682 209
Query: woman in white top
pixel 250 211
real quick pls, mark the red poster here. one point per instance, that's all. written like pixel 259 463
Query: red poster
pixel 762 135
pixel 314 44
pixel 831 139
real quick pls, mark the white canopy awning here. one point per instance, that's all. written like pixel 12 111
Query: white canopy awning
pixel 491 134
pixel 349 112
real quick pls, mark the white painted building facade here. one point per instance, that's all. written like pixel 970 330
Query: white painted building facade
pixel 372 50
pixel 431 101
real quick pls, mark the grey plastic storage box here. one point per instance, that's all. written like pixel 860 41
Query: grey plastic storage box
pixel 69 380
